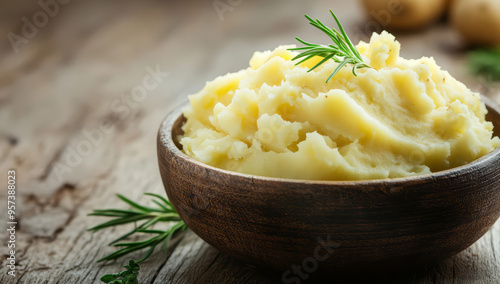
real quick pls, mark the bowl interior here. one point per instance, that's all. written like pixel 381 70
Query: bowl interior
pixel 494 117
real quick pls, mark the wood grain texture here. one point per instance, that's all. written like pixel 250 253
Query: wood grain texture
pixel 67 79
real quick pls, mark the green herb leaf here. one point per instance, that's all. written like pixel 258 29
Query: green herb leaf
pixel 485 62
pixel 342 51
pixel 125 277
pixel 165 212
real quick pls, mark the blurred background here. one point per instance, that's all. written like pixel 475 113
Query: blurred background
pixel 84 86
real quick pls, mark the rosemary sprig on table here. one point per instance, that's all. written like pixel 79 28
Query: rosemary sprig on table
pixel 342 51
pixel 485 62
pixel 125 277
pixel 164 212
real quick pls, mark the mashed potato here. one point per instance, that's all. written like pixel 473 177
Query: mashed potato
pixel 399 118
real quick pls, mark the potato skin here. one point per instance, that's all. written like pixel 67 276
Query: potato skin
pixel 405 14
pixel 478 21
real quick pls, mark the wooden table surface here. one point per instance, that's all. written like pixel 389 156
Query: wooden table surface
pixel 76 72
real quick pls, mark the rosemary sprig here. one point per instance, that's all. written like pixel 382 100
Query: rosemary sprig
pixel 342 51
pixel 164 212
pixel 125 277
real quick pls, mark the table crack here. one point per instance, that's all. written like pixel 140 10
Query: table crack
pixel 174 246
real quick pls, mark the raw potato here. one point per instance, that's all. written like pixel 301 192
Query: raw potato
pixel 405 14
pixel 478 21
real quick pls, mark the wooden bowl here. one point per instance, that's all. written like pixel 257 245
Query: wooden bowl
pixel 401 223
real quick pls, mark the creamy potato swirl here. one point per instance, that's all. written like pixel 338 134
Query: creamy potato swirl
pixel 400 118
